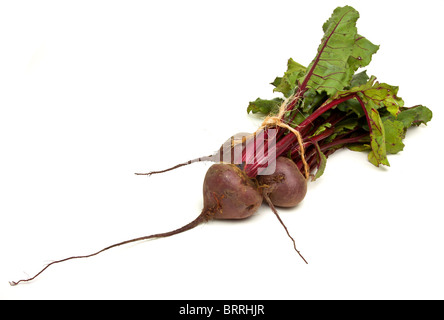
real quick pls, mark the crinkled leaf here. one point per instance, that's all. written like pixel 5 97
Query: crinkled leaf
pixel 351 105
pixel 394 130
pixel 289 81
pixel 362 53
pixel 378 155
pixel 382 94
pixel 341 52
pixel 394 134
pixel 385 95
pixel 265 106
pixel 414 116
pixel 395 127
pixel 312 99
pixel 329 71
pixel 359 79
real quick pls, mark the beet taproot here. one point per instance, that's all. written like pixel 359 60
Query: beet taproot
pixel 229 194
pixel 286 187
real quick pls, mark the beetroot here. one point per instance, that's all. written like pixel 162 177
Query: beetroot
pixel 286 187
pixel 229 194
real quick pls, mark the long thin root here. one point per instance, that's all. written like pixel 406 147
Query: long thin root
pixel 201 218
pixel 273 208
pixel 207 158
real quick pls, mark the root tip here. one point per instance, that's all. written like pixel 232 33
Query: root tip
pixel 13 283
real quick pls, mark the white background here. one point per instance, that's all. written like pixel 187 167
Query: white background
pixel 93 91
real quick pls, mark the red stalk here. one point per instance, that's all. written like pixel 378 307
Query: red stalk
pixel 283 145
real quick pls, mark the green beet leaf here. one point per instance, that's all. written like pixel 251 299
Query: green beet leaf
pixel 414 116
pixel 395 127
pixel 264 106
pixel 359 79
pixel 333 93
pixel 394 134
pixel 322 162
pixel 378 155
pixel 382 94
pixel 288 82
pixel 341 52
pixel 362 53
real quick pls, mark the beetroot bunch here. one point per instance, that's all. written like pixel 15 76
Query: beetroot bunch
pixel 330 104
